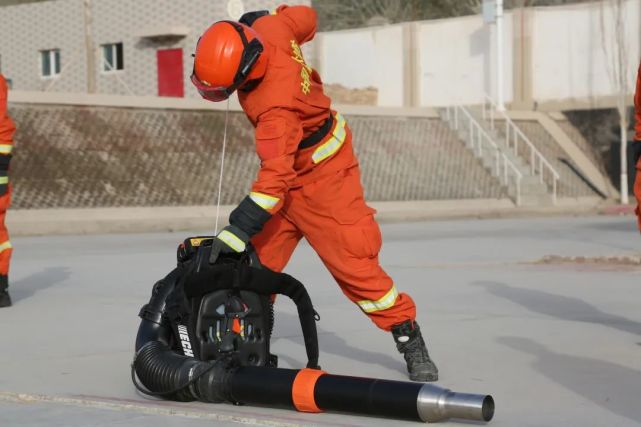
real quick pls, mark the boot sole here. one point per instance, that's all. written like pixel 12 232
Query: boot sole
pixel 424 378
pixel 5 300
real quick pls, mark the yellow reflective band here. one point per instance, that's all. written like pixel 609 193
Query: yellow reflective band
pixel 4 180
pixel 265 201
pixel 381 304
pixel 5 245
pixel 335 142
pixel 232 241
pixel 6 148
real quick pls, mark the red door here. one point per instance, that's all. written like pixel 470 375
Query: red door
pixel 170 73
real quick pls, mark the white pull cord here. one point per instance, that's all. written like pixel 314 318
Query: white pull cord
pixel 222 169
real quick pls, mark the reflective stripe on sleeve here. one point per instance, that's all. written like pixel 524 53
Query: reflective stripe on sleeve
pixel 5 245
pixel 232 241
pixel 384 303
pixel 265 201
pixel 335 142
pixel 4 180
pixel 6 148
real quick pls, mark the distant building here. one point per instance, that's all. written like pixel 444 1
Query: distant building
pixel 136 47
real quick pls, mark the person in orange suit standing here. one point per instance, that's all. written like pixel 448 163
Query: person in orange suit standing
pixel 7 130
pixel 309 182
pixel 636 146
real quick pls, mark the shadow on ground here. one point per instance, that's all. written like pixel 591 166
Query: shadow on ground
pixel 559 306
pixel 330 343
pixel 27 286
pixel 626 227
pixel 608 385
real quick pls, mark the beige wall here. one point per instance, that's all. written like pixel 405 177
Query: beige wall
pixel 574 51
pixel 555 57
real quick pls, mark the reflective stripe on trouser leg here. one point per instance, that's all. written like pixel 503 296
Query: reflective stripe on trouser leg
pixel 341 229
pixel 5 257
pixel 363 279
pixel 5 245
pixel 383 303
pixel 5 252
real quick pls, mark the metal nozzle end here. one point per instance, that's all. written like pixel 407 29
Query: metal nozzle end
pixel 437 404
pixel 488 408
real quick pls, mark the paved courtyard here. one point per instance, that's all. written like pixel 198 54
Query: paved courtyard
pixel 555 343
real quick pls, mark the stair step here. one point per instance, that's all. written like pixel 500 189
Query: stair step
pixel 532 191
pixel 537 200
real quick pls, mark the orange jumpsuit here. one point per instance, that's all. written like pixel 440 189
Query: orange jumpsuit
pixel 7 130
pixel 313 192
pixel 637 139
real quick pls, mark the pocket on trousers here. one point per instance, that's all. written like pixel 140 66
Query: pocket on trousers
pixel 362 239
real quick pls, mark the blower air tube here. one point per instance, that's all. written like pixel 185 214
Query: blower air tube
pixel 177 377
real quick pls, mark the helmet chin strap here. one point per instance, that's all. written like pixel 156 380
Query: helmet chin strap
pixel 222 169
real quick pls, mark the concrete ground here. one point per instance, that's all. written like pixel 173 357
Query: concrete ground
pixel 556 344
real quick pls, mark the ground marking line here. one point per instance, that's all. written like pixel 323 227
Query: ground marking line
pixel 136 407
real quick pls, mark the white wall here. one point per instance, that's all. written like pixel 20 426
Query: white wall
pixel 457 63
pixel 456 58
pixel 371 57
pixel 574 50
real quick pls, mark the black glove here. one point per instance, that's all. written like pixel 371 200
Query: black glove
pixel 230 240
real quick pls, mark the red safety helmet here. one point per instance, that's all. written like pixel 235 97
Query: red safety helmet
pixel 227 55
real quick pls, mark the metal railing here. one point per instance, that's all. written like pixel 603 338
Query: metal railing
pixel 515 138
pixel 480 142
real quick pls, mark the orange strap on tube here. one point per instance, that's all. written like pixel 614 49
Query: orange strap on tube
pixel 303 390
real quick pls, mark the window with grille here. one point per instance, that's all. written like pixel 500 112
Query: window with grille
pixel 112 57
pixel 50 62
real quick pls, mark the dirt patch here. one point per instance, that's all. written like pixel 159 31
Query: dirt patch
pixel 614 260
pixel 602 262
pixel 342 95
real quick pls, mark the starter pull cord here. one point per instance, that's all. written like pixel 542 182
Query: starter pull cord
pixel 222 169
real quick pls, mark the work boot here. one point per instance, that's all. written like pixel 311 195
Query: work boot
pixel 409 341
pixel 5 299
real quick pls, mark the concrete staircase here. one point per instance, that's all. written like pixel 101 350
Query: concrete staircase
pixel 534 192
pixel 521 181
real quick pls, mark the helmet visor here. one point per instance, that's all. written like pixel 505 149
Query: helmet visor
pixel 210 93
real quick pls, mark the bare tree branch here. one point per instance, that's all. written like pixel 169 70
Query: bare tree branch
pixel 342 14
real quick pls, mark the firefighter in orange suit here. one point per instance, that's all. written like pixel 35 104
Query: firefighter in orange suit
pixel 7 129
pixel 636 145
pixel 309 183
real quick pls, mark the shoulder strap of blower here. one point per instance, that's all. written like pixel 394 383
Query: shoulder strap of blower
pixel 269 282
pixel 203 278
